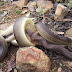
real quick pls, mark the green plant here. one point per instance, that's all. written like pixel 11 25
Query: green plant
pixel 60 64
pixel 41 11
pixel 66 2
pixel 18 12
pixel 53 29
pixel 53 70
pixel 1 12
pixel 70 4
pixel 61 1
pixel 1 4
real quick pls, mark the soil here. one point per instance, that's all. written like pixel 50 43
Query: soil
pixel 57 59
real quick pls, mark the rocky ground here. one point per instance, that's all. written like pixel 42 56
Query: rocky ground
pixel 10 13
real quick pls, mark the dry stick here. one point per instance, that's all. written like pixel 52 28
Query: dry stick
pixel 38 40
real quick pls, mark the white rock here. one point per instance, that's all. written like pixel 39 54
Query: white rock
pixel 44 4
pixel 68 64
pixel 32 5
pixel 68 33
pixel 60 12
pixel 20 3
pixel 59 69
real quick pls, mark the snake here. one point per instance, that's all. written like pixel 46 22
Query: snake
pixel 5 40
pixel 21 38
pixel 47 34
pixel 50 46
pixel 20 34
pixel 3 47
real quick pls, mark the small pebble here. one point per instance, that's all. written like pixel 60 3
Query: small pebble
pixel 5 12
pixel 59 69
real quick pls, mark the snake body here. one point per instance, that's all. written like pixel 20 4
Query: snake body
pixel 20 33
pixel 3 47
pixel 46 33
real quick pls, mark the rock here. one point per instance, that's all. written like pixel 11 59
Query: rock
pixel 32 5
pixel 38 9
pixel 46 10
pixel 44 4
pixel 27 14
pixel 32 59
pixel 60 12
pixel 15 70
pixel 68 33
pixel 59 69
pixel 31 8
pixel 43 11
pixel 20 3
pixel 55 5
pixel 69 64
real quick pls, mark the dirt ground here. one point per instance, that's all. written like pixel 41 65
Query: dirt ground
pixel 57 59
